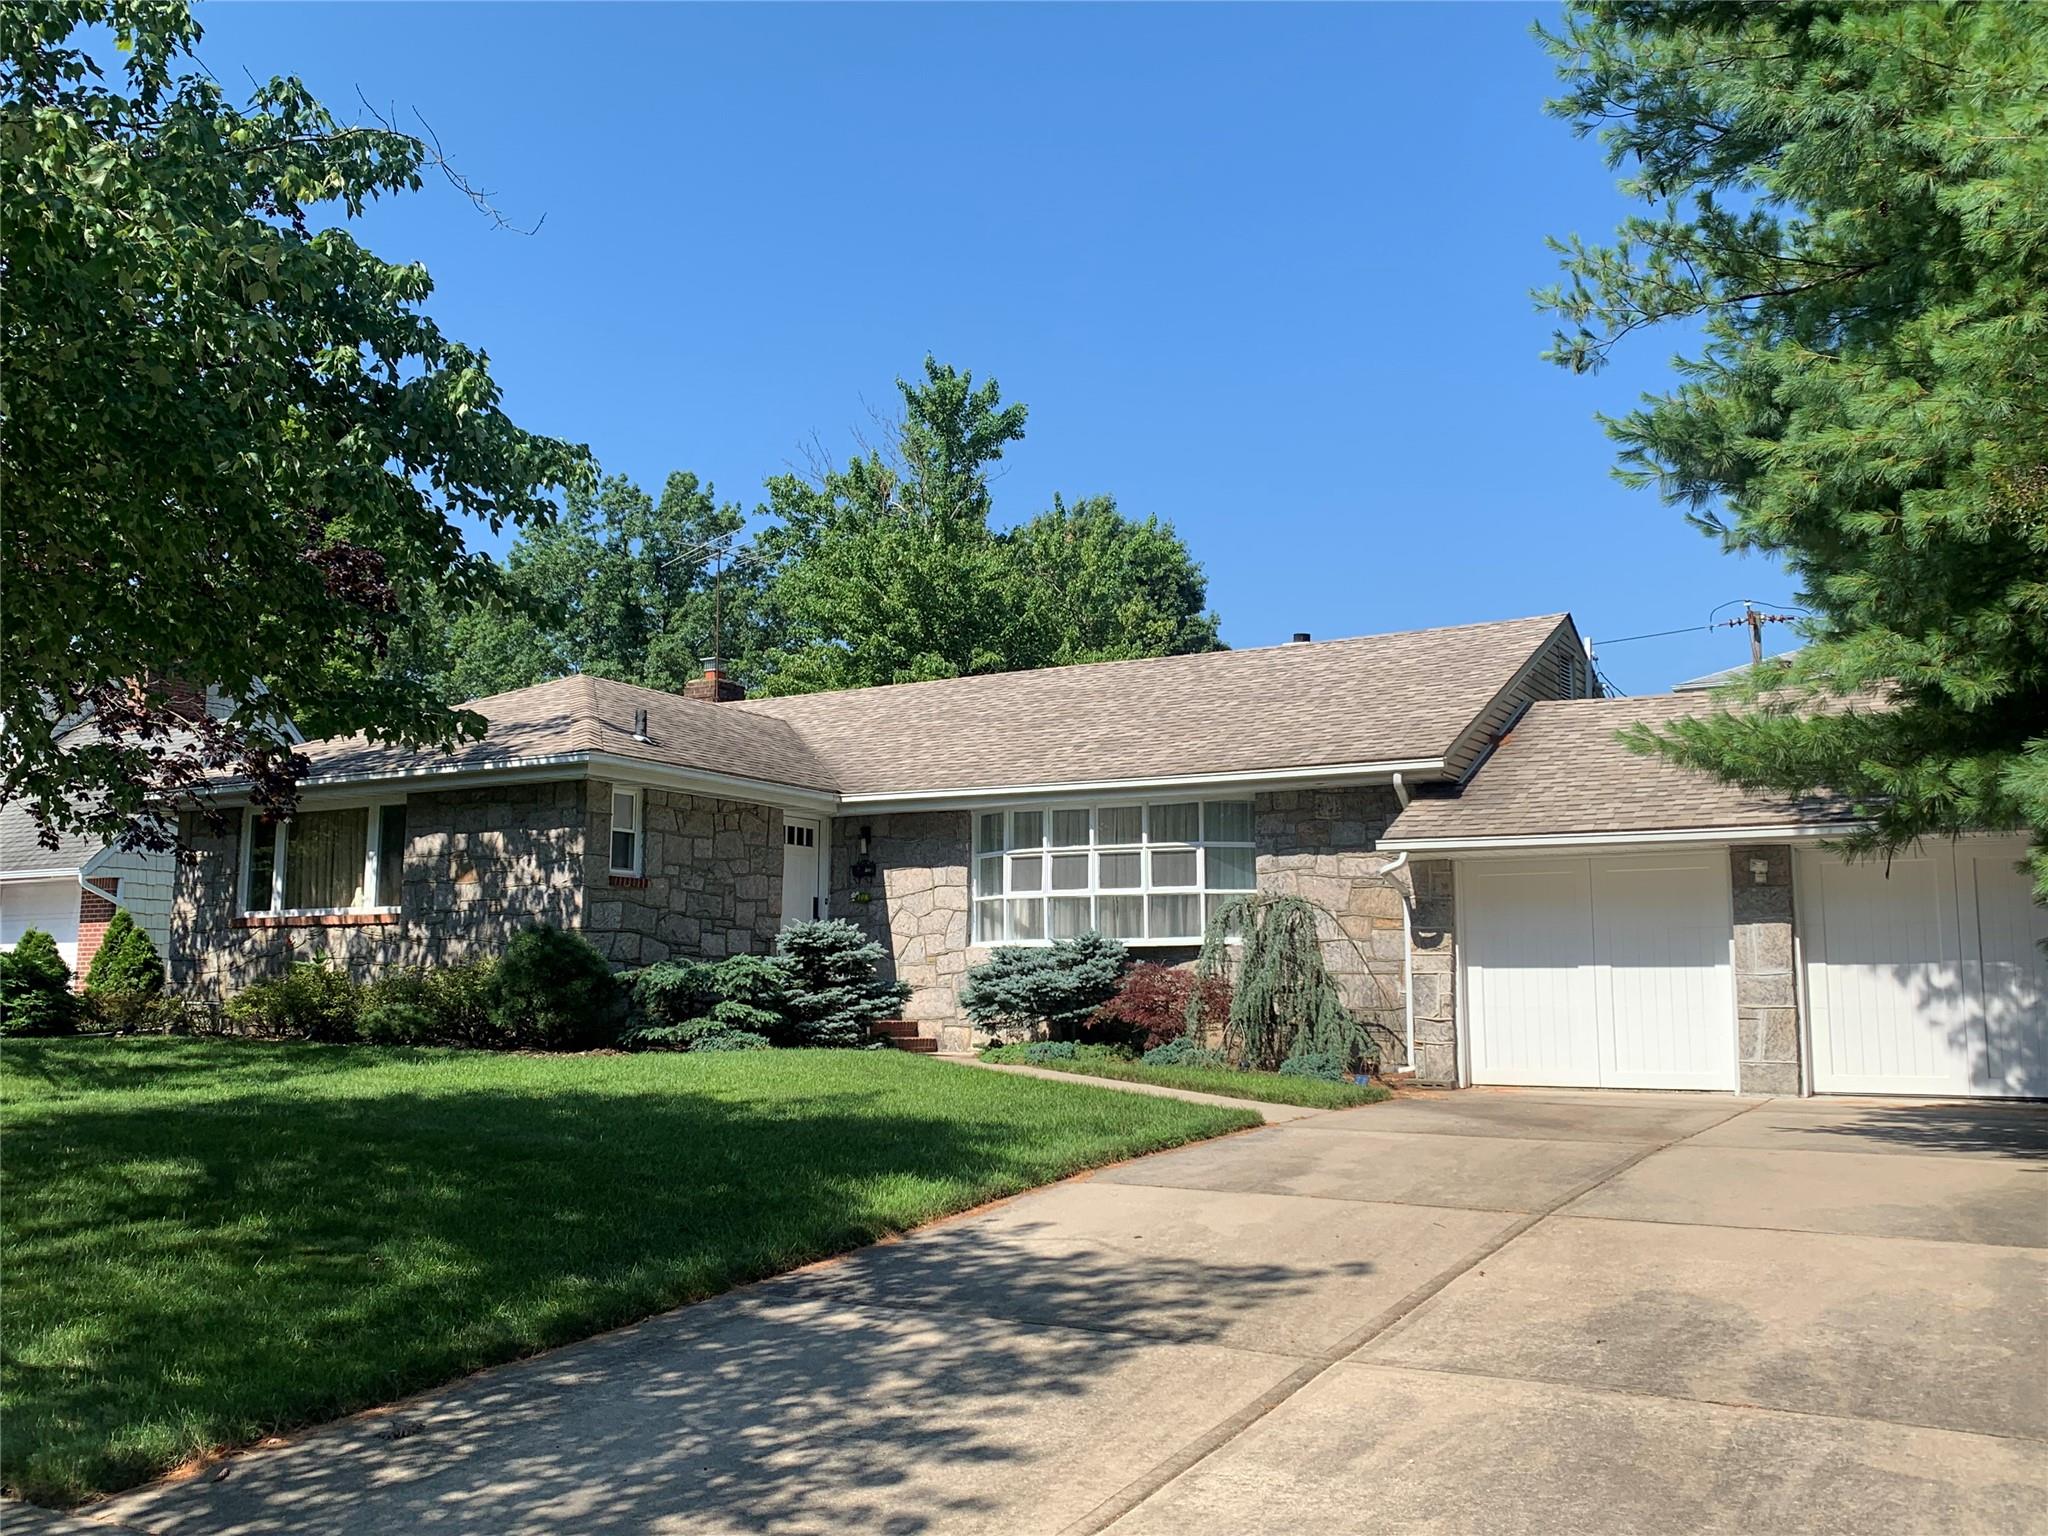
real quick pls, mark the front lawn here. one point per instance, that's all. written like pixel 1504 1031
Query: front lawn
pixel 207 1242
pixel 1266 1087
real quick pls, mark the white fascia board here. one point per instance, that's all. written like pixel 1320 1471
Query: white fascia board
pixel 1554 841
pixel 726 786
pixel 561 765
pixel 23 876
pixel 1324 776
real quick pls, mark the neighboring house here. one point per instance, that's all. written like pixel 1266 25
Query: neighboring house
pixel 946 818
pixel 71 891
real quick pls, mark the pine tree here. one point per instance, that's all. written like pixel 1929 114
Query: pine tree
pixel 1851 201
pixel 35 988
pixel 127 962
pixel 836 992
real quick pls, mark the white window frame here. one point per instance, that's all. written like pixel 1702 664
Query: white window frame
pixel 639 798
pixel 999 905
pixel 274 906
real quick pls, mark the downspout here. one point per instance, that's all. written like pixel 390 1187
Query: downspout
pixel 1407 943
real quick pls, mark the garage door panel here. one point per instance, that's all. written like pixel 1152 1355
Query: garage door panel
pixel 1599 972
pixel 2007 971
pixel 51 905
pixel 1529 948
pixel 1661 929
pixel 1923 973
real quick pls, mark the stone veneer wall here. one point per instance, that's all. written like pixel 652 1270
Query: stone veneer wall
pixel 479 863
pixel 712 881
pixel 915 908
pixel 1433 959
pixel 1320 844
pixel 1766 993
pixel 1313 843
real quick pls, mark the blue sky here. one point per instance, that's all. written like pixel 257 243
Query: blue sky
pixel 1262 271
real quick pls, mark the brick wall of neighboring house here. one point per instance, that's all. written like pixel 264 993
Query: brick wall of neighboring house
pixel 479 864
pixel 95 911
pixel 711 882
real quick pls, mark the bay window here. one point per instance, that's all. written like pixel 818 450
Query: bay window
pixel 348 859
pixel 1142 873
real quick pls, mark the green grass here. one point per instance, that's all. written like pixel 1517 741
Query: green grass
pixel 208 1242
pixel 1267 1087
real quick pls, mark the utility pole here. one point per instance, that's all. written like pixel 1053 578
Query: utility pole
pixel 1755 621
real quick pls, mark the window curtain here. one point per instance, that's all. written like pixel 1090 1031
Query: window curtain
pixel 324 855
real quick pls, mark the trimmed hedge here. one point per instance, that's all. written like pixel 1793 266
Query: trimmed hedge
pixel 35 988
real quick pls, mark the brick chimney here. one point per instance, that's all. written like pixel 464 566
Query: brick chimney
pixel 714 687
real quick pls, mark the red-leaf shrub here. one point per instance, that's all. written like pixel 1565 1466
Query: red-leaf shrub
pixel 1151 1006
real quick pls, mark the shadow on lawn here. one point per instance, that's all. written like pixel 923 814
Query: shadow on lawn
pixel 222 1270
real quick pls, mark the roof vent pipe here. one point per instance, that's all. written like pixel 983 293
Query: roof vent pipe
pixel 639 725
pixel 1301 637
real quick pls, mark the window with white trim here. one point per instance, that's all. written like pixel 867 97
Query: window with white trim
pixel 1144 873
pixel 626 837
pixel 339 859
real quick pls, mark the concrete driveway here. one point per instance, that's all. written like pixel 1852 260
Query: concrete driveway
pixel 1477 1312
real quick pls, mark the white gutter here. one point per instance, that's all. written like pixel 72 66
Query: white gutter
pixel 1401 791
pixel 1407 952
pixel 967 797
pixel 19 876
pixel 436 778
pixel 1541 842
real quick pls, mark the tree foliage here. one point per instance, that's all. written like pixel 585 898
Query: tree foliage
pixel 620 586
pixel 1850 201
pixel 1283 1003
pixel 35 988
pixel 232 440
pixel 1057 987
pixel 886 569
pixel 126 962
pixel 836 990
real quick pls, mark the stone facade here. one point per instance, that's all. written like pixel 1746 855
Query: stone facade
pixel 914 903
pixel 711 884
pixel 1766 991
pixel 1319 844
pixel 482 863
pixel 1433 967
pixel 479 864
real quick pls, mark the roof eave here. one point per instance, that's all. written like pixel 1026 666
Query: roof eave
pixel 1311 776
pixel 1551 842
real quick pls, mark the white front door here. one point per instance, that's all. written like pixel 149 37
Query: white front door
pixel 1924 972
pixel 803 895
pixel 1607 972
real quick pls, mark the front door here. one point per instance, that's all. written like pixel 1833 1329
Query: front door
pixel 802 898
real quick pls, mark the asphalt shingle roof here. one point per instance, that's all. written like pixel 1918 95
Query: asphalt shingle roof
pixel 1561 770
pixel 1378 698
pixel 594 714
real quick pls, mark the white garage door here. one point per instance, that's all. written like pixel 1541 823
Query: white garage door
pixel 1925 975
pixel 1608 972
pixel 51 905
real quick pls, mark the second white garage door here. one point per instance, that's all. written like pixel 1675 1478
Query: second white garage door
pixel 51 905
pixel 1607 972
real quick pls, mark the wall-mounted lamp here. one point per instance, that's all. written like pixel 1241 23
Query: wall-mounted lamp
pixel 1760 871
pixel 863 868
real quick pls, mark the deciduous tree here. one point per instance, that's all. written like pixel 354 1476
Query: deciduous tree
pixel 231 437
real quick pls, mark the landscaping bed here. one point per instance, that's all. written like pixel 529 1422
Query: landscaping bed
pixel 211 1241
pixel 1266 1087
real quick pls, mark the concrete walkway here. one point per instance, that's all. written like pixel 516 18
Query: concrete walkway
pixel 1478 1312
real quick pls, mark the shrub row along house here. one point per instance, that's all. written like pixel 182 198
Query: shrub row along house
pixel 1509 895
